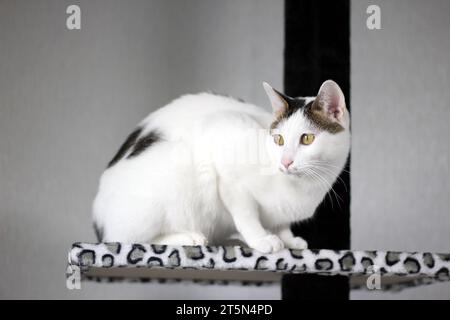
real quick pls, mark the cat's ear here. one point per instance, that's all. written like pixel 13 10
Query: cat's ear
pixel 331 100
pixel 279 103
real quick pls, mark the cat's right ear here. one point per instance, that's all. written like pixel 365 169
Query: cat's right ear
pixel 279 104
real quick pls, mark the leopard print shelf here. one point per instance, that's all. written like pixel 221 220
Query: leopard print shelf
pixel 433 266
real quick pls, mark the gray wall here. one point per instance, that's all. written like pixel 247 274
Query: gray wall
pixel 68 99
pixel 400 118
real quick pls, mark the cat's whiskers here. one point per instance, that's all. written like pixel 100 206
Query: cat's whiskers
pixel 332 174
pixel 323 165
pixel 317 178
pixel 329 188
pixel 324 186
pixel 338 198
pixel 326 163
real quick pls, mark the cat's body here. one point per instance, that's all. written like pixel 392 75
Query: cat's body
pixel 206 167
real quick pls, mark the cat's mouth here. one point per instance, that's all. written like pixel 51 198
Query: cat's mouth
pixel 292 171
pixel 299 172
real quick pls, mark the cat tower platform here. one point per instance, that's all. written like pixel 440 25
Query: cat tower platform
pixel 111 262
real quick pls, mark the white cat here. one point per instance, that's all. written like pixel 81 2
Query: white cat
pixel 206 167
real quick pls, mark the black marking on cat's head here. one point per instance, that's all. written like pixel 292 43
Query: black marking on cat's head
pixel 311 110
pixel 144 142
pixel 324 111
pixel 292 105
pixel 315 113
pixel 129 142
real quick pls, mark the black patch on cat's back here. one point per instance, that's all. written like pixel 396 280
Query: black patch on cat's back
pixel 129 142
pixel 144 142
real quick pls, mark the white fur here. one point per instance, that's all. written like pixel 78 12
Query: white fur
pixel 216 173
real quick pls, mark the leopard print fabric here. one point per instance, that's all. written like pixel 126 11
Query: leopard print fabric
pixel 327 262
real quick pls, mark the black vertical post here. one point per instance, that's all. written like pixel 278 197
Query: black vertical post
pixel 317 48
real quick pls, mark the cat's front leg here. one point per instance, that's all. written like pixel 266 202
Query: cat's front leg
pixel 246 219
pixel 255 235
pixel 290 240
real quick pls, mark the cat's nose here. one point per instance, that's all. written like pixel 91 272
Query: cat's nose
pixel 286 162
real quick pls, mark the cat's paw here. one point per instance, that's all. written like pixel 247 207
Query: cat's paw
pixel 296 243
pixel 196 239
pixel 268 244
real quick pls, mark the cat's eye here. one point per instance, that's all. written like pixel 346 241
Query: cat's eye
pixel 307 138
pixel 278 139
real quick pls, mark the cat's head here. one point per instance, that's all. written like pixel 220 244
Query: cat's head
pixel 309 135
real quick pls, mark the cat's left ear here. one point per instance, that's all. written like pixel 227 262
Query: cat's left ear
pixel 331 100
pixel 277 100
